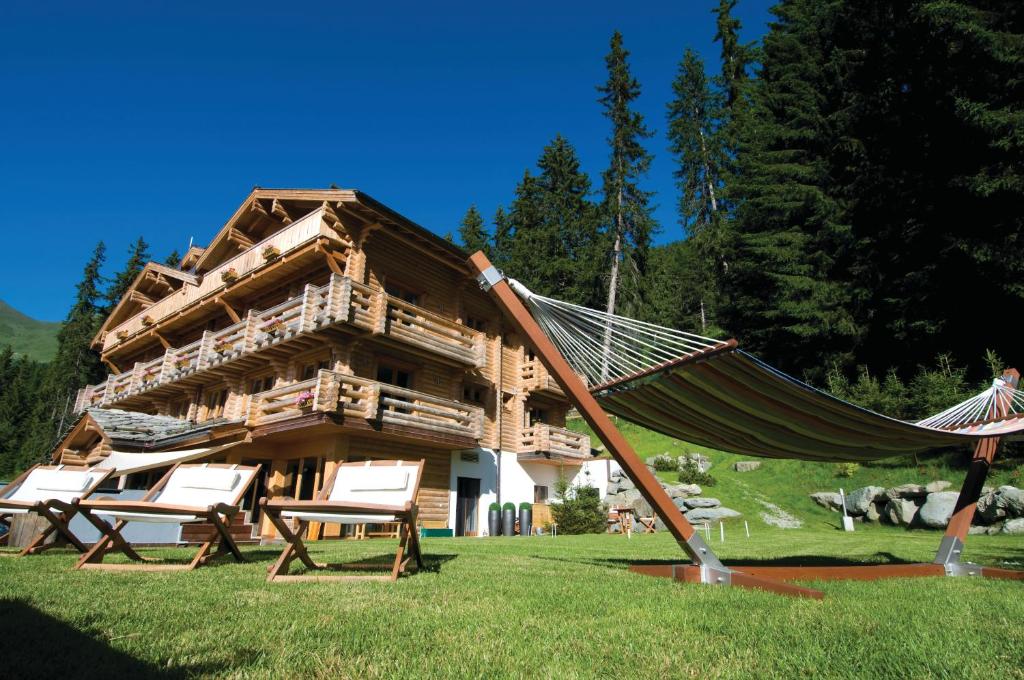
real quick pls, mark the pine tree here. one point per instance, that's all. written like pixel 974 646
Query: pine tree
pixel 736 57
pixel 21 381
pixel 789 293
pixel 173 260
pixel 626 206
pixel 138 256
pixel 75 364
pixel 501 249
pixel 472 233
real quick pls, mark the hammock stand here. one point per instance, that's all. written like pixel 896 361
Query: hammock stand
pixel 705 567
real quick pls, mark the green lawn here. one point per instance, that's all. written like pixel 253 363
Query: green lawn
pixel 519 607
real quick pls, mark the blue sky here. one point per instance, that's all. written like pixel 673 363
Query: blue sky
pixel 157 118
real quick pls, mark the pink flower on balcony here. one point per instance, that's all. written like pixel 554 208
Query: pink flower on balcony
pixel 149 376
pixel 223 347
pixel 181 363
pixel 229 275
pixel 273 326
pixel 304 399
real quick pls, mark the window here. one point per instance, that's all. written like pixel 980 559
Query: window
pixel 540 494
pixel 402 293
pixel 179 408
pixel 392 375
pixel 537 415
pixel 310 370
pixel 261 384
pixel 476 324
pixel 474 394
pixel 215 400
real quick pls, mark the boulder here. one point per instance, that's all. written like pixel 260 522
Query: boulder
pixel 690 489
pixel 937 486
pixel 980 530
pixel 680 503
pixel 626 484
pixel 857 501
pixel 1013 526
pixel 906 491
pixel 900 511
pixel 710 514
pixel 703 502
pixel 631 495
pixel 746 465
pixel 988 508
pixel 642 508
pixel 828 500
pixel 873 514
pixel 937 509
pixel 1012 500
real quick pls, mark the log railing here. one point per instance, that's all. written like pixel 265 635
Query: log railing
pixel 541 438
pixel 535 378
pixel 362 398
pixel 339 301
pixel 296 235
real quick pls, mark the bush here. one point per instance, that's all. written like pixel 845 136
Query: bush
pixel 690 473
pixel 663 462
pixel 847 469
pixel 581 510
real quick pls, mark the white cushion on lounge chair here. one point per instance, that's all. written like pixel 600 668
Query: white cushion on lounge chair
pixel 201 487
pixel 61 485
pixel 150 518
pixel 379 479
pixel 214 479
pixel 378 484
pixel 338 518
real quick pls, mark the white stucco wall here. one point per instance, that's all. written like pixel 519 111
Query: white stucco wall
pixel 518 480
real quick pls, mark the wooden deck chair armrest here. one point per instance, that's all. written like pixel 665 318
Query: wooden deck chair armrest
pixel 277 505
pixel 143 507
pixel 19 505
pixel 57 504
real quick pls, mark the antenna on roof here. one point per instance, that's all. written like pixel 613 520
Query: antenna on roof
pixel 190 243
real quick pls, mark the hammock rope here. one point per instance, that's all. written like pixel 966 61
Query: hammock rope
pixel 609 352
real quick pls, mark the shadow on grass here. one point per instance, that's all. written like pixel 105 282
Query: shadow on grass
pixel 432 563
pixel 878 559
pixel 41 646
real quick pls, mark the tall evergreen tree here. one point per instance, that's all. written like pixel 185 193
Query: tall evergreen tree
pixel 174 259
pixel 736 56
pixel 472 233
pixel 75 364
pixel 138 256
pixel 626 206
pixel 20 387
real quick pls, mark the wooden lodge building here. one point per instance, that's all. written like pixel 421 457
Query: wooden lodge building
pixel 320 326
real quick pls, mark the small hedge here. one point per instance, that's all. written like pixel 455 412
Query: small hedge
pixel 690 473
pixel 581 510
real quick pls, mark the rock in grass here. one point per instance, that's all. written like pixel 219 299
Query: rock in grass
pixel 828 500
pixel 858 501
pixel 906 491
pixel 631 495
pixel 937 486
pixel 746 465
pixel 937 509
pixel 703 502
pixel 710 514
pixel 978 530
pixel 1013 526
pixel 900 511
pixel 873 514
pixel 988 508
pixel 625 483
pixel 680 503
pixel 1012 499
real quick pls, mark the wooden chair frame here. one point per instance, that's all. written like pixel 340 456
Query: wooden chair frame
pixel 218 542
pixel 57 512
pixel 405 516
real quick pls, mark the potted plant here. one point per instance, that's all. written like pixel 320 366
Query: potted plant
pixel 508 519
pixel 147 320
pixel 270 252
pixel 223 347
pixel 149 376
pixel 493 519
pixel 121 335
pixel 274 326
pixel 525 519
pixel 182 363
pixel 304 399
pixel 229 275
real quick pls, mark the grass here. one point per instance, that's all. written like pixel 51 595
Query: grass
pixel 518 607
pixel 561 607
pixel 26 336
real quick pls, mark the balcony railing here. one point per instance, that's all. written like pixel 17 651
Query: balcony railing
pixel 541 442
pixel 294 236
pixel 535 378
pixel 340 301
pixel 361 398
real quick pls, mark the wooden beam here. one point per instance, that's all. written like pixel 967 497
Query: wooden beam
pixel 162 339
pixel 279 210
pixel 332 264
pixel 230 310
pixel 241 240
pixel 110 364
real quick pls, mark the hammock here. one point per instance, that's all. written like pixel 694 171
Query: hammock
pixel 709 392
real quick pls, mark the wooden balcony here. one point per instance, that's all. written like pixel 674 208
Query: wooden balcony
pixel 363 404
pixel 543 443
pixel 340 304
pixel 534 377
pixel 295 236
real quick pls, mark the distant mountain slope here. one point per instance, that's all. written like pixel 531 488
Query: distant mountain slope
pixel 37 339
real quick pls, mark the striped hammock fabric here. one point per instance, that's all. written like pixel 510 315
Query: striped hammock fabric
pixel 708 392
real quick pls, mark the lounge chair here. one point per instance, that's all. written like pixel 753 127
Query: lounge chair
pixel 186 494
pixel 52 492
pixel 371 492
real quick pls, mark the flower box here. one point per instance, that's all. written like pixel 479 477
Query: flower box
pixel 181 363
pixel 120 389
pixel 304 399
pixel 229 275
pixel 223 347
pixel 271 252
pixel 273 327
pixel 121 335
pixel 147 320
pixel 149 376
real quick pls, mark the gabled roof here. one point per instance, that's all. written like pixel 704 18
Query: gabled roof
pixel 355 209
pixel 141 430
pixel 151 269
